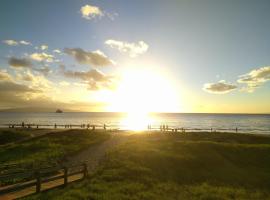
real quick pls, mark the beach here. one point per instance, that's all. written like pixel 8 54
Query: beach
pixel 246 123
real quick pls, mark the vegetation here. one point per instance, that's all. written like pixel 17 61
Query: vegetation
pixel 12 135
pixel 179 166
pixel 47 149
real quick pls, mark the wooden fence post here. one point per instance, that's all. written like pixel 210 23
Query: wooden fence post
pixel 38 185
pixel 65 176
pixel 85 171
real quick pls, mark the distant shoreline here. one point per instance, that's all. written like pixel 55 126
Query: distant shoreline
pixel 184 113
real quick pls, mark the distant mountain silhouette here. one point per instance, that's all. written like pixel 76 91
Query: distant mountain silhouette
pixel 36 109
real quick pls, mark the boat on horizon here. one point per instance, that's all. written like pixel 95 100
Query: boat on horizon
pixel 59 111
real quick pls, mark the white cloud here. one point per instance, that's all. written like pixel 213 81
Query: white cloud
pixel 90 12
pixel 34 80
pixel 255 78
pixel 42 57
pixel 25 42
pixel 133 49
pixel 44 47
pixel 10 42
pixel 220 87
pixel 56 51
pixel 15 43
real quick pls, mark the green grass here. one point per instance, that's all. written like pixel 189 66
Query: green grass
pixel 12 135
pixel 190 166
pixel 50 148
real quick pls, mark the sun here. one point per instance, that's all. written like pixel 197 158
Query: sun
pixel 140 92
pixel 144 91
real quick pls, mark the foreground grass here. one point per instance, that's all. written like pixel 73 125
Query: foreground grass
pixel 48 149
pixel 191 166
pixel 12 135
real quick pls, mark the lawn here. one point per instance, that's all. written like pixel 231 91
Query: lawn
pixel 12 135
pixel 48 149
pixel 178 166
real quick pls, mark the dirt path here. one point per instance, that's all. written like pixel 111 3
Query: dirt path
pixel 94 154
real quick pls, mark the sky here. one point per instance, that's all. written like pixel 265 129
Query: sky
pixel 208 56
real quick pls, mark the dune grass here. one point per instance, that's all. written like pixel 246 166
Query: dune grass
pixel 48 149
pixel 190 166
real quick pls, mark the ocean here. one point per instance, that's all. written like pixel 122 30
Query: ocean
pixel 245 123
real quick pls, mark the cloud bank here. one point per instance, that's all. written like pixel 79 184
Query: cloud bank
pixel 132 49
pixel 15 43
pixel 255 78
pixel 94 79
pixel 95 58
pixel 42 57
pixel 19 62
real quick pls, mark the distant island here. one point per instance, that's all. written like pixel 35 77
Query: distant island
pixel 37 110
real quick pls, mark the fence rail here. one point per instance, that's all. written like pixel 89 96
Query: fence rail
pixel 112 127
pixel 40 177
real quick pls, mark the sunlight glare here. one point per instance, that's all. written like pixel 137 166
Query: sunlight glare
pixel 140 92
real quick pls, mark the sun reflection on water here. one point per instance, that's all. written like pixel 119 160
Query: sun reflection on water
pixel 136 121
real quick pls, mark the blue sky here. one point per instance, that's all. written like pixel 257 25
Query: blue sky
pixel 198 43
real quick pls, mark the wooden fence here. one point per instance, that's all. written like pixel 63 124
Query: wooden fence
pixel 163 128
pixel 38 178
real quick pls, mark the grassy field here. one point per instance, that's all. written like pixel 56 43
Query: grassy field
pixel 47 149
pixel 189 166
pixel 13 135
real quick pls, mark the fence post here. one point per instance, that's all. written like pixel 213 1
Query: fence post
pixel 38 186
pixel 65 176
pixel 85 171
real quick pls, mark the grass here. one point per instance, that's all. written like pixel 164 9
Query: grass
pixel 12 135
pixel 48 149
pixel 191 166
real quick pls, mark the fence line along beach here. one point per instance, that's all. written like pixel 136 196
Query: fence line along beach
pixel 245 123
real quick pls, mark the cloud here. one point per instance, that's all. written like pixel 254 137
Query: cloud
pixel 12 92
pixel 64 83
pixel 10 42
pixel 26 63
pixel 94 79
pixel 4 76
pixel 20 62
pixel 34 80
pixel 25 42
pixel 219 88
pixel 44 47
pixel 90 12
pixel 45 70
pixel 31 95
pixel 133 49
pixel 15 43
pixel 42 57
pixel 255 78
pixel 10 86
pixel 95 58
pixel 56 51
